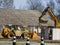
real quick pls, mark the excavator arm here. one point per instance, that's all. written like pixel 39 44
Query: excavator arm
pixel 51 14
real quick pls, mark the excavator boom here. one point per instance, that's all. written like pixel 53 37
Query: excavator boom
pixel 51 14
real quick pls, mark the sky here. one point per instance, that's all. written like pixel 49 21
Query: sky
pixel 19 3
pixel 23 3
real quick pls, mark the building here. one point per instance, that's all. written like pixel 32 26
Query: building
pixel 24 18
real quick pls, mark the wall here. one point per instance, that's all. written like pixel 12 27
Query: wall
pixel 56 34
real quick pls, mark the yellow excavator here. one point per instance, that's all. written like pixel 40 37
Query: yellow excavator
pixel 55 19
pixel 51 14
pixel 8 33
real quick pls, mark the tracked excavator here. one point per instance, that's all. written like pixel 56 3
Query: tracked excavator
pixel 51 14
pixel 55 19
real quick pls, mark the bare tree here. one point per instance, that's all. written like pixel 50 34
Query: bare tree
pixel 6 3
pixel 35 5
pixel 0 2
pixel 51 4
pixel 39 4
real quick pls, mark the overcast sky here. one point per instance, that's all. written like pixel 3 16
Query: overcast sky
pixel 19 3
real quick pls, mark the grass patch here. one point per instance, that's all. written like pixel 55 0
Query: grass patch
pixel 18 40
pixel 22 40
pixel 31 40
pixel 52 41
pixel 5 39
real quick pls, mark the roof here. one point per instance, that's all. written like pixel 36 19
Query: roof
pixel 20 17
